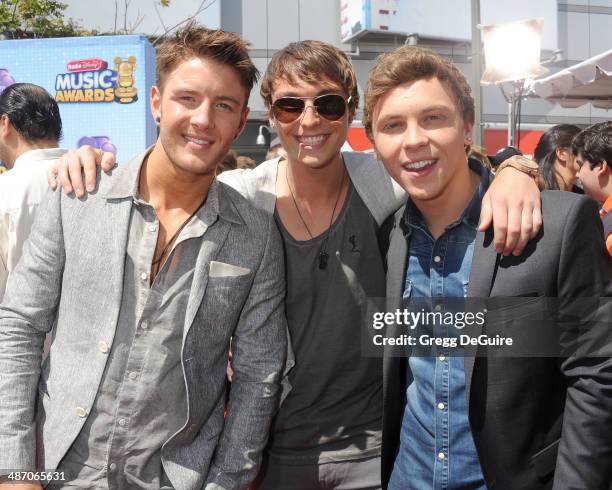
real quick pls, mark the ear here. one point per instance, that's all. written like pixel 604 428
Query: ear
pixel 155 102
pixel 603 168
pixel 7 130
pixel 5 125
pixel 561 154
pixel 375 150
pixel 467 133
pixel 243 120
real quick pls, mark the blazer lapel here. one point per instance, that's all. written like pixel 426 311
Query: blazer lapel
pixel 113 224
pixel 212 241
pixel 396 268
pixel 482 274
pixel 117 215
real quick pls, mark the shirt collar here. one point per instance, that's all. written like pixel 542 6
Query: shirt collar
pixel 125 181
pixel 413 218
pixel 218 203
pixel 35 156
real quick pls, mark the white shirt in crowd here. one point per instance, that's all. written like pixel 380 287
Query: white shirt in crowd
pixel 21 190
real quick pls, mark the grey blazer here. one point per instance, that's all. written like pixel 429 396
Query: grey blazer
pixel 535 420
pixel 71 274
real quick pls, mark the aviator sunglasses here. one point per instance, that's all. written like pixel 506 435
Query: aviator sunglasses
pixel 287 109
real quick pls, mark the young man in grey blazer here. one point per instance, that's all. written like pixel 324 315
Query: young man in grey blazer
pixel 133 392
pixel 328 205
pixel 501 422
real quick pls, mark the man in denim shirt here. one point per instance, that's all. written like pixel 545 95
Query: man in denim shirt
pixel 438 268
pixel 453 422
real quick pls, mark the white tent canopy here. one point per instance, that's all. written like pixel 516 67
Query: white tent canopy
pixel 588 81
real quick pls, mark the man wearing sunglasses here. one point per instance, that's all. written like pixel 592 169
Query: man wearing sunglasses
pixel 328 206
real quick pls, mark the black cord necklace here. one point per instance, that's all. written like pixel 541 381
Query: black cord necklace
pixel 156 264
pixel 323 255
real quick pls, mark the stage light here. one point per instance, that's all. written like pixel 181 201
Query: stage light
pixel 512 51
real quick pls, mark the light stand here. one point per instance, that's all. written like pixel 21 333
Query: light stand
pixel 261 139
pixel 512 54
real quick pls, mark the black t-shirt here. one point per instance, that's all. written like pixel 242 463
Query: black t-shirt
pixel 334 410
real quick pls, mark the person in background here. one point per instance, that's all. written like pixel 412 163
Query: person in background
pixel 558 167
pixel 276 149
pixel 592 148
pixel 30 130
pixel 245 162
pixel 228 162
pixel 501 156
pixel 478 153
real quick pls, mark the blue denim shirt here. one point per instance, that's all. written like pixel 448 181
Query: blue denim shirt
pixel 437 450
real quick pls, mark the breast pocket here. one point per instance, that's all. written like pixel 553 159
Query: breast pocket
pixel 226 294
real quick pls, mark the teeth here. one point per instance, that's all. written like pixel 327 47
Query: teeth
pixel 419 165
pixel 312 140
pixel 197 141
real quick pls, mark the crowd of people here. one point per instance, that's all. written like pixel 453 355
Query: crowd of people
pixel 138 287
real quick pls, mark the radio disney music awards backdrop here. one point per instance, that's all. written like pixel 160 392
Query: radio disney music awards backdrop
pixel 101 84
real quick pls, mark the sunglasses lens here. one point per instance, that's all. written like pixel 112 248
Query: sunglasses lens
pixel 287 109
pixel 331 107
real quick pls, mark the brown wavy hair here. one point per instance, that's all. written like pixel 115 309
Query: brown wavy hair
pixel 194 41
pixel 410 63
pixel 308 61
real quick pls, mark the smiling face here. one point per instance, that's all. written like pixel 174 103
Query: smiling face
pixel 420 135
pixel 311 139
pixel 202 108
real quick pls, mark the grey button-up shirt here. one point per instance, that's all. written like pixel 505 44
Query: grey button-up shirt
pixel 142 400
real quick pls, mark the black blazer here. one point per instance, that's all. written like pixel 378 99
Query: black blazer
pixel 534 420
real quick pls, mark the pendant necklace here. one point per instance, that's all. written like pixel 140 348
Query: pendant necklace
pixel 323 256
